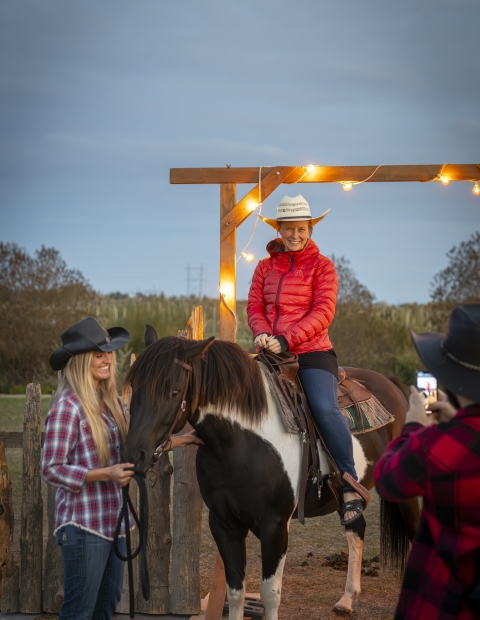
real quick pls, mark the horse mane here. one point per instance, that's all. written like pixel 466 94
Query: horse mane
pixel 224 377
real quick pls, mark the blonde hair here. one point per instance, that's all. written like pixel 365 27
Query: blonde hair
pixel 77 376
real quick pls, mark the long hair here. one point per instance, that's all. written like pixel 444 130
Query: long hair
pixel 77 376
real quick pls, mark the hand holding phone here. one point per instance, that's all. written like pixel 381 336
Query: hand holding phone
pixel 427 387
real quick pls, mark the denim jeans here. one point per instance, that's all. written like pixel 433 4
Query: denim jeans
pixel 320 388
pixel 93 575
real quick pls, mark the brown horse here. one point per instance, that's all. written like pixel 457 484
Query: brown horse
pixel 249 468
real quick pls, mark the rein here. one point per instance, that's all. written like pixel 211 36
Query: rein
pixel 142 522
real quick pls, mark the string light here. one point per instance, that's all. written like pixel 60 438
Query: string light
pixel 247 256
pixel 347 185
pixel 444 180
pixel 476 189
pixel 310 168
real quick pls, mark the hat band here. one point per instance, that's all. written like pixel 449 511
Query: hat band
pixel 466 364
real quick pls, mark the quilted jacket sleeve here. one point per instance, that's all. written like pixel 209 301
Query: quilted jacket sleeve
pixel 256 304
pixel 324 299
pixel 401 472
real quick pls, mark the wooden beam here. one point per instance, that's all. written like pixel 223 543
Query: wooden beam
pixel 234 217
pixel 329 174
pixel 14 439
pixel 228 267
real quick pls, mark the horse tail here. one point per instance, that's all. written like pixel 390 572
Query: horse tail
pixel 394 541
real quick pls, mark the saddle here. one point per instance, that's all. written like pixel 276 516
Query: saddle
pixel 284 368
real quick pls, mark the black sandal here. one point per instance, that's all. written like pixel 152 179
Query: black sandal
pixel 353 505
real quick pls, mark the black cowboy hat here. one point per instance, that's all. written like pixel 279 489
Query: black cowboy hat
pixel 88 335
pixel 454 358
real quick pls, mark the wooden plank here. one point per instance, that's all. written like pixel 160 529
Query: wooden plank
pixel 228 268
pixel 14 439
pixel 330 174
pixel 218 591
pixel 53 576
pixel 187 513
pixel 159 539
pixel 9 571
pixel 249 203
pixel 187 531
pixel 31 540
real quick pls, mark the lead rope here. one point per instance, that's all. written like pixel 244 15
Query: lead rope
pixel 142 525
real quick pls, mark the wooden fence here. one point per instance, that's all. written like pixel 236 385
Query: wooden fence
pixel 34 586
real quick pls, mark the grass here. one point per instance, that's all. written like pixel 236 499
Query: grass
pixel 11 411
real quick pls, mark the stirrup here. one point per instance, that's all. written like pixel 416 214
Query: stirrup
pixel 353 505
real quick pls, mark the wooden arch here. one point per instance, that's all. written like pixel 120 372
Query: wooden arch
pixel 233 213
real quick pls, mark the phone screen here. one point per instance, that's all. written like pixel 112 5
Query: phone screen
pixel 427 387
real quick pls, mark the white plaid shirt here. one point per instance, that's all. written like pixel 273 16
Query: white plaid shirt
pixel 68 454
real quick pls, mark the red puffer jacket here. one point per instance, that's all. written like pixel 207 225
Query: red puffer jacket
pixel 293 294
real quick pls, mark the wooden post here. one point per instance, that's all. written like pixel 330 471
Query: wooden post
pixel 228 323
pixel 53 579
pixel 31 541
pixel 218 590
pixel 123 606
pixel 159 539
pixel 53 573
pixel 9 572
pixel 187 511
pixel 187 531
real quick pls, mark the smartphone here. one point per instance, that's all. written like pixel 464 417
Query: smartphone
pixel 427 387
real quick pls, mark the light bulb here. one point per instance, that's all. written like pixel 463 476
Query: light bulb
pixel 444 180
pixel 347 185
pixel 248 257
pixel 476 189
pixel 310 168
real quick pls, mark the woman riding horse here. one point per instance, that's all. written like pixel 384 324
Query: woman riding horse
pixel 290 305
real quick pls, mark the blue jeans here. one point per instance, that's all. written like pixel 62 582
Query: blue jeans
pixel 93 575
pixel 320 388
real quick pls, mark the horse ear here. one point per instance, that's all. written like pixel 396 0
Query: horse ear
pixel 200 347
pixel 150 335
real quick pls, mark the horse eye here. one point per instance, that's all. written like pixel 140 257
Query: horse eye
pixel 175 392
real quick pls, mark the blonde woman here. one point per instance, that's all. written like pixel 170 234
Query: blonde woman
pixel 85 430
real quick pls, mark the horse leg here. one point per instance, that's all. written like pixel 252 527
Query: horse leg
pixel 274 543
pixel 230 539
pixel 355 535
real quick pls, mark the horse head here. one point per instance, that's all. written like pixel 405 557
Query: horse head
pixel 164 380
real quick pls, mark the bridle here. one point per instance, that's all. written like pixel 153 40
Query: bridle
pixel 142 522
pixel 181 410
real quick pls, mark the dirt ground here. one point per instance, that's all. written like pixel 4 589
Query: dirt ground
pixel 310 590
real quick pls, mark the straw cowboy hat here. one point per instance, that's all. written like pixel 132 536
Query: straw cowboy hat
pixel 87 335
pixel 294 209
pixel 454 358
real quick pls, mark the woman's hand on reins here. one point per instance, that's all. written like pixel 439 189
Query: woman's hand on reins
pixel 274 345
pixel 261 340
pixel 120 473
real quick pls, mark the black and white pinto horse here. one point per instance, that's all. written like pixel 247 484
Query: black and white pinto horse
pixel 249 468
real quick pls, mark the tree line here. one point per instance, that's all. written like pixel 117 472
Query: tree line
pixel 40 296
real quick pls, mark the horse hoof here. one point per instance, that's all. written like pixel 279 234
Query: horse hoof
pixel 342 612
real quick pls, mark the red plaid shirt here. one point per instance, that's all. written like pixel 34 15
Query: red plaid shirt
pixel 68 454
pixel 440 463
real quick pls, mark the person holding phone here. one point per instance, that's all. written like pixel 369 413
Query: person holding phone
pixel 437 457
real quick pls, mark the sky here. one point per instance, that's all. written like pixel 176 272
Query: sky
pixel 100 98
